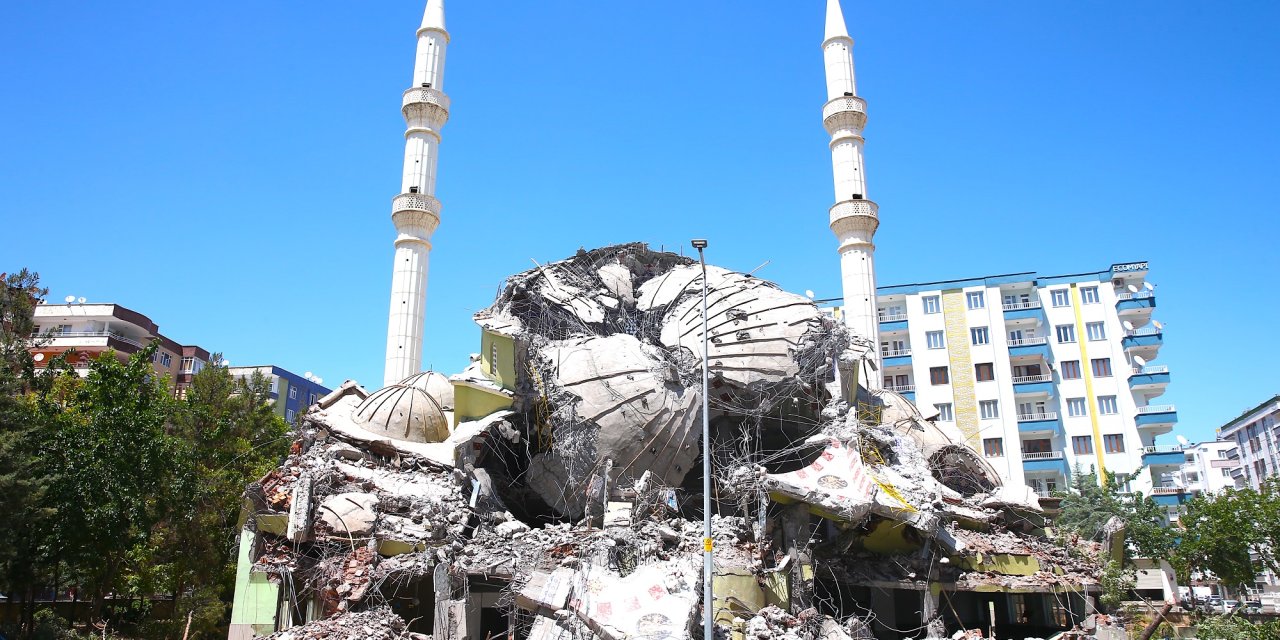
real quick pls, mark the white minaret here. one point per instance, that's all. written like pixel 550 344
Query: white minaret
pixel 853 217
pixel 416 212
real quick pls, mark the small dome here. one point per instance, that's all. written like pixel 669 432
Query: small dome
pixel 413 409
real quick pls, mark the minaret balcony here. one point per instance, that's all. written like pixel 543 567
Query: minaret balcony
pixel 415 202
pixel 415 214
pixel 845 113
pixel 425 103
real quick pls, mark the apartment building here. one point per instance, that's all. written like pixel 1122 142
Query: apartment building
pixel 293 394
pixel 1043 374
pixel 1256 436
pixel 91 329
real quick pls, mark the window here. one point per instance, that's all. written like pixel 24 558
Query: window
pixel 1076 407
pixel 1060 297
pixel 1070 369
pixel 293 392
pixel 188 364
pixel 1107 405
pixel 1066 333
pixel 1026 370
pixel 1033 410
pixel 288 415
pixel 1226 473
pixel 935 340
pixel 166 360
pixel 1260 468
pixel 1101 367
pixel 311 398
pixel 975 300
pixel 989 409
pixel 900 382
pixel 1082 445
pixel 1017 300
pixel 938 375
pixel 945 414
pixel 893 347
pixel 1089 295
pixel 1095 331
pixel 1113 442
pixel 493 358
pixel 984 371
pixel 932 304
pixel 980 335
pixel 993 447
pixel 275 384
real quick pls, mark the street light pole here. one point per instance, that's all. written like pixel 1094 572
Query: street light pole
pixel 708 605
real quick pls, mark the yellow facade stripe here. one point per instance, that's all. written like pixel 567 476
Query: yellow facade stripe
pixel 961 360
pixel 1086 367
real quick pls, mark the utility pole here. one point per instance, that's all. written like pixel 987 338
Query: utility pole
pixel 708 605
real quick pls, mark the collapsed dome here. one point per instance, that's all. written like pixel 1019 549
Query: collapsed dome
pixel 413 409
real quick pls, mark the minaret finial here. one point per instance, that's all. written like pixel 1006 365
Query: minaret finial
pixel 433 18
pixel 835 21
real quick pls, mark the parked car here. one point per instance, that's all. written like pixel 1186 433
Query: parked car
pixel 1253 606
pixel 1230 605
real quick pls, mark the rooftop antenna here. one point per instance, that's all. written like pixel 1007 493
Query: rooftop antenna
pixel 808 293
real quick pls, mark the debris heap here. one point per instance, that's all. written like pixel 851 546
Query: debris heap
pixel 553 488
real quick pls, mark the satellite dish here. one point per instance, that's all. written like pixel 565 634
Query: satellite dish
pixel 39 357
pixel 308 375
pixel 225 363
pixel 1158 325
pixel 318 380
pixel 70 299
pixel 1140 361
pixel 808 293
pixel 1183 441
pixel 1149 286
pixel 81 300
pixel 1133 288
pixel 1127 325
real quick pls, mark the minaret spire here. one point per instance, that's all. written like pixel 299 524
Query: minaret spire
pixel 416 212
pixel 854 218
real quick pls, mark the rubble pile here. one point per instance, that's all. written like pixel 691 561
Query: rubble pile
pixel 558 480
pixel 376 624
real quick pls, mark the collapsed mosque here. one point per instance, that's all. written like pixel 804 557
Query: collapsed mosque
pixel 553 489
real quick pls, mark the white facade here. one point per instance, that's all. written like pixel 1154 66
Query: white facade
pixel 1209 468
pixel 416 212
pixel 853 217
pixel 1042 374
pixel 1256 438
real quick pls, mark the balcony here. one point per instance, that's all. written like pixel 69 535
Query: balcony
pixel 1045 461
pixel 1144 337
pixel 1020 310
pixel 1169 496
pixel 892 321
pixel 895 358
pixel 1140 303
pixel 1040 384
pixel 1039 423
pixel 1166 456
pixel 901 388
pixel 1151 378
pixel 1159 418
pixel 1030 347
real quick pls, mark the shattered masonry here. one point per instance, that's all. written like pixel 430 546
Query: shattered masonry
pixel 552 489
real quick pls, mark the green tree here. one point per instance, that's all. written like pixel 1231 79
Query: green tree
pixel 1226 532
pixel 234 437
pixel 1089 505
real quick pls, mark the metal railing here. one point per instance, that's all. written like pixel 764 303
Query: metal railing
pixel 895 353
pixel 1026 342
pixel 1164 448
pixel 1157 408
pixel 1042 455
pixel 891 317
pixel 1014 306
pixel 1141 295
pixel 900 388
pixel 95 334
pixel 1144 331
pixel 1151 369
pixel 1048 377
pixel 1032 417
pixel 1166 491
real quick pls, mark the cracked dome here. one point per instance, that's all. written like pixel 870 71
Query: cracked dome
pixel 414 409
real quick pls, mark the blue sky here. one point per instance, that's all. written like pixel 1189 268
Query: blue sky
pixel 227 168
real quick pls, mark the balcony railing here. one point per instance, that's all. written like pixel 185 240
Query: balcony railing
pixel 1014 306
pixel 1042 455
pixel 891 317
pixel 1141 295
pixel 1157 408
pixel 1026 342
pixel 1164 448
pixel 1144 331
pixel 1032 417
pixel 900 388
pixel 1151 369
pixel 1167 491
pixel 894 353
pixel 96 334
pixel 1040 378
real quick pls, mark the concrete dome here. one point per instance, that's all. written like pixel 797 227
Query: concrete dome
pixel 413 409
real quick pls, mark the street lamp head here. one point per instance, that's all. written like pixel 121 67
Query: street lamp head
pixel 699 244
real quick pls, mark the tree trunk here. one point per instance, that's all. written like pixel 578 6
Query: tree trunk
pixel 1155 622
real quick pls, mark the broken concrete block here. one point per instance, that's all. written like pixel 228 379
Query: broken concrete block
pixel 549 591
pixel 350 514
pixel 837 484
